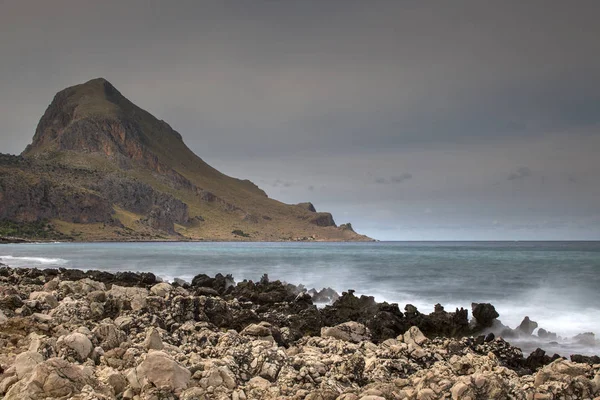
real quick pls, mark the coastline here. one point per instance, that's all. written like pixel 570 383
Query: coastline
pixel 5 240
pixel 217 339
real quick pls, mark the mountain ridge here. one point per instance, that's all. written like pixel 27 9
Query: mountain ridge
pixel 97 158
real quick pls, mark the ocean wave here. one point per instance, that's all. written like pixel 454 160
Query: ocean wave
pixel 19 261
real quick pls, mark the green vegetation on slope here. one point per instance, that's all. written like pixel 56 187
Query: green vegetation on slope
pixel 43 230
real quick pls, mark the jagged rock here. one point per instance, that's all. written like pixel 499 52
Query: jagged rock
pixel 414 336
pixel 484 314
pixel 204 357
pixel 326 295
pixel 527 326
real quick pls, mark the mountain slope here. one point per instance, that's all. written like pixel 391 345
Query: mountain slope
pixel 101 168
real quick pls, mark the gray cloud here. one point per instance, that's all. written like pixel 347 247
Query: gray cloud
pixel 277 183
pixel 394 179
pixel 520 173
pixel 315 93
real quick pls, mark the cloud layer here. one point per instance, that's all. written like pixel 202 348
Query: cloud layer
pixel 477 112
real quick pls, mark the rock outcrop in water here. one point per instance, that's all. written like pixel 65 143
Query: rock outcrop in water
pixel 69 334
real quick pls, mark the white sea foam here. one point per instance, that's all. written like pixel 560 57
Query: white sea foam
pixel 31 261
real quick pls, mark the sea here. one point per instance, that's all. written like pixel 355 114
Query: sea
pixel 556 284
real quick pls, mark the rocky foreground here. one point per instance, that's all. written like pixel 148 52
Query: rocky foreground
pixel 68 334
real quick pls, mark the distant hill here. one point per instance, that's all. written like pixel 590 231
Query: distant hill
pixel 101 168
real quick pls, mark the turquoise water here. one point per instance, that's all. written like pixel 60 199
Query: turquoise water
pixel 554 283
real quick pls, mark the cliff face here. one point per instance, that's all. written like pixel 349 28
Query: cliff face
pixel 97 158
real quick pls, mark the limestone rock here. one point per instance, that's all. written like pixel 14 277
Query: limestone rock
pixel 44 298
pixel 348 331
pixel 414 336
pixel 160 370
pixel 153 340
pixel 79 343
pixel 25 362
pixel 54 378
pixel 161 289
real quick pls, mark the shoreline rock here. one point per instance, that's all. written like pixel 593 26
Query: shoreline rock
pixel 95 335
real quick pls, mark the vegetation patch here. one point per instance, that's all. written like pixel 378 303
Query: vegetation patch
pixel 37 230
pixel 239 232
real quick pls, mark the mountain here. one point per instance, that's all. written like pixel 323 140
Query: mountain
pixel 101 168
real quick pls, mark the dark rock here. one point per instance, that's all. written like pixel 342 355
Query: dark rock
pixel 490 337
pixel 442 323
pixel 527 326
pixel 484 314
pixel 578 358
pixel 346 227
pixel 384 320
pixel 323 219
pixel 411 311
pixel 327 295
pixel 10 302
pixel 537 359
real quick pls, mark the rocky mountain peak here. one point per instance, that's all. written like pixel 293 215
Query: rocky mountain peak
pixel 94 117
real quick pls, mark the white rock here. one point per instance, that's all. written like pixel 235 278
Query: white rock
pixel 25 362
pixel 414 335
pixel 78 342
pixel 136 296
pixel 161 289
pixel 44 298
pixel 348 331
pixel 153 340
pixel 161 370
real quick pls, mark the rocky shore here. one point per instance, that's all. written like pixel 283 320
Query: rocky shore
pixel 69 334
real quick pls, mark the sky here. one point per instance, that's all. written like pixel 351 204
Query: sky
pixel 414 120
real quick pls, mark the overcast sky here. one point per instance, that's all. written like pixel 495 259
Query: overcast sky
pixel 411 119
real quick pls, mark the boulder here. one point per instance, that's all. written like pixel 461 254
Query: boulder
pixel 109 336
pixel 348 331
pixel 153 340
pixel 160 370
pixel 54 378
pixel 414 336
pixel 135 295
pixel 76 344
pixel 161 289
pixel 25 362
pixel 113 378
pixel 262 329
pixel 44 298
